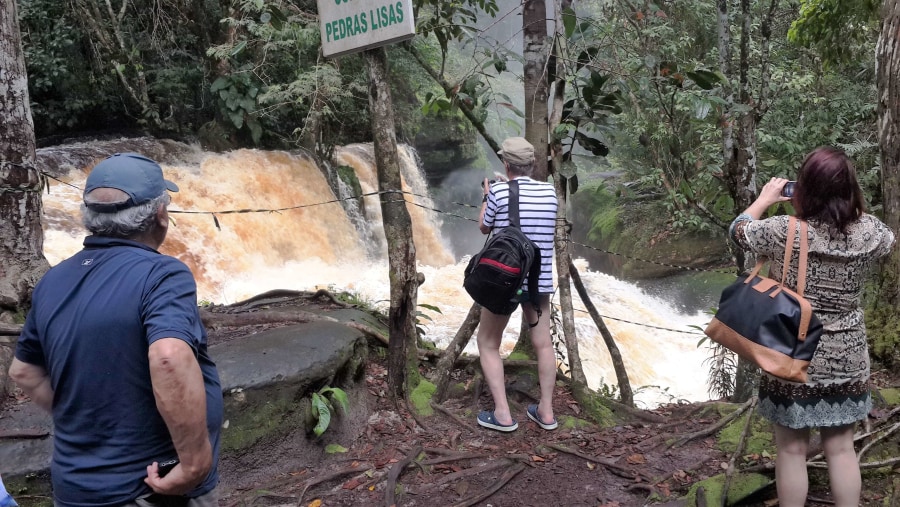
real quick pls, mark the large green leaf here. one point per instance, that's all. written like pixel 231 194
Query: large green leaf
pixel 705 79
pixel 321 406
pixel 569 20
pixel 595 146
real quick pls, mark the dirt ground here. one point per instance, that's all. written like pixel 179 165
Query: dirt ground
pixel 446 459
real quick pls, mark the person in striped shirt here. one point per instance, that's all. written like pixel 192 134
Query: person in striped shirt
pixel 537 214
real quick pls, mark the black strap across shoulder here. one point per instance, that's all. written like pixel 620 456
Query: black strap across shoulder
pixel 534 273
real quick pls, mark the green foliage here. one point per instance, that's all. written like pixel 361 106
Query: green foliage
pixel 278 87
pixel 450 21
pixel 237 95
pixel 421 317
pixel 142 68
pixel 62 86
pixel 323 405
pixel 840 30
pixel 668 137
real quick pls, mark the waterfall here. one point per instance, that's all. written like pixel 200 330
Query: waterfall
pixel 307 245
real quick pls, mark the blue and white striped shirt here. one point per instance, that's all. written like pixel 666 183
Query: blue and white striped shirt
pixel 537 214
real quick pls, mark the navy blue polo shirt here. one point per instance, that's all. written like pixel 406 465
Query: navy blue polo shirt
pixel 92 320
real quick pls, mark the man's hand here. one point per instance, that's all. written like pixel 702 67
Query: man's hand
pixel 176 482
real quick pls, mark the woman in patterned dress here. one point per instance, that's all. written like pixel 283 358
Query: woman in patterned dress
pixel 844 242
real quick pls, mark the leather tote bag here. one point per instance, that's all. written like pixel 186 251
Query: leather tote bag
pixel 767 323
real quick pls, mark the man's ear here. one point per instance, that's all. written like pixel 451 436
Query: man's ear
pixel 162 217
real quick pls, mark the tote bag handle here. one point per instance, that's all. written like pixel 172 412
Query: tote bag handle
pixel 788 251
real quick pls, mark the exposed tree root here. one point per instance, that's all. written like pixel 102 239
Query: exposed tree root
pixel 10 329
pixel 415 416
pixel 738 451
pixel 610 465
pixel 440 408
pixel 507 476
pixel 395 473
pixel 324 294
pixel 715 427
pixel 260 299
pixel 331 476
pixel 459 457
pixel 455 476
pixel 23 434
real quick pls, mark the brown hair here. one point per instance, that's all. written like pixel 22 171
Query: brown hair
pixel 827 189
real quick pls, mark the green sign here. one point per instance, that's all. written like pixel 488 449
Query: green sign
pixel 348 26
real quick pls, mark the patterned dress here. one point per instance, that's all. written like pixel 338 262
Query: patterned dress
pixel 837 391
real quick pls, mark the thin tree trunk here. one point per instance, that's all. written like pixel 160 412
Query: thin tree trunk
pixel 614 354
pixel 884 316
pixel 561 239
pixel 22 261
pixel 742 178
pixel 453 350
pixel 534 29
pixel 888 83
pixel 404 285
pixel 564 286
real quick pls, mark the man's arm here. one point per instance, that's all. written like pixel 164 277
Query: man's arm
pixel 486 188
pixel 181 400
pixel 34 381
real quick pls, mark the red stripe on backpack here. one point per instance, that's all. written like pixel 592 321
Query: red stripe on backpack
pixel 509 269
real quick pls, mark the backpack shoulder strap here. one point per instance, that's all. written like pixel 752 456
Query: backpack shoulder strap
pixel 513 204
pixel 534 276
pixel 534 273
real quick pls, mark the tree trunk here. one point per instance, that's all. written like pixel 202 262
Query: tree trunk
pixel 404 284
pixel 883 319
pixel 534 29
pixel 561 239
pixel 452 352
pixel 22 261
pixel 618 364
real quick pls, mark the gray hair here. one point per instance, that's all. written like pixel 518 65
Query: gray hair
pixel 123 223
pixel 520 170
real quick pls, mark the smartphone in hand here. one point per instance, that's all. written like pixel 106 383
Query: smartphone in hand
pixel 788 189
pixel 166 466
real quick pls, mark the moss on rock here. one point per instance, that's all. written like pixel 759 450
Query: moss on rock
pixel 421 397
pixel 742 486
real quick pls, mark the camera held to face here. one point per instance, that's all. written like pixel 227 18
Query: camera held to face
pixel 490 182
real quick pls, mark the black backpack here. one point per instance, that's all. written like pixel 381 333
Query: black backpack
pixel 495 274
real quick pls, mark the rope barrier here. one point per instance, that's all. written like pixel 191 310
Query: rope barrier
pixel 643 325
pixel 444 212
pixel 436 210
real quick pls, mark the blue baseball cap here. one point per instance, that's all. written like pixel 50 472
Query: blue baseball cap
pixel 136 175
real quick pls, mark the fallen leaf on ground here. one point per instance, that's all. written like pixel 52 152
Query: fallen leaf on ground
pixel 537 458
pixel 636 459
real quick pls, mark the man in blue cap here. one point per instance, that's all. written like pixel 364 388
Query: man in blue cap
pixel 114 348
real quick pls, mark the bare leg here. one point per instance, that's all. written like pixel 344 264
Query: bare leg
pixel 791 480
pixel 546 357
pixel 490 332
pixel 843 465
